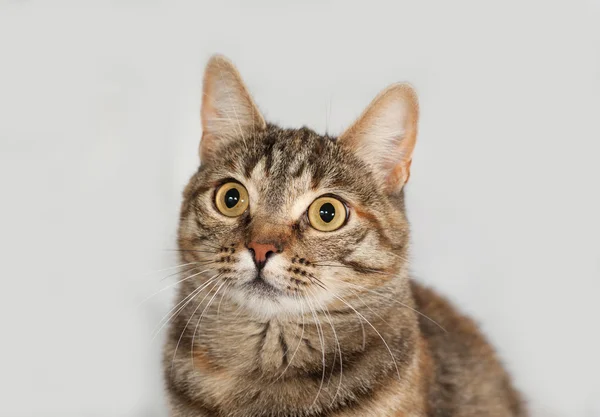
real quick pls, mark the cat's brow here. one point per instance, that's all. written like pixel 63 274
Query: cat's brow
pixel 301 204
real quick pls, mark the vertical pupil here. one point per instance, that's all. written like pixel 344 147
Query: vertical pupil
pixel 327 212
pixel 232 197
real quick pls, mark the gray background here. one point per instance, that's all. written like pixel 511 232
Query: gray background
pixel 99 127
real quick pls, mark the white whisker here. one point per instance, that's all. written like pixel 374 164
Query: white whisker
pixel 167 269
pixel 172 285
pixel 322 343
pixel 401 303
pixel 189 319
pixel 337 340
pixel 189 297
pixel 376 331
pixel 200 319
pixel 297 346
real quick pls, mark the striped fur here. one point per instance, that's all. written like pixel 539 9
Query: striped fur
pixel 347 333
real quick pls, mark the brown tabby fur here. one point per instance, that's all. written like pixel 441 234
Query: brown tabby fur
pixel 347 333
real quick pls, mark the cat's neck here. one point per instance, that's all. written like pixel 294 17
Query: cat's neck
pixel 331 355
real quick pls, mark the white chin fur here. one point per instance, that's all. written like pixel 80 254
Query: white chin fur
pixel 267 306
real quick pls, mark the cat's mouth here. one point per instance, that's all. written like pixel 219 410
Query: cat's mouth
pixel 262 287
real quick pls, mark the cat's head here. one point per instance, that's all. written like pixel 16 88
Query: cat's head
pixel 281 219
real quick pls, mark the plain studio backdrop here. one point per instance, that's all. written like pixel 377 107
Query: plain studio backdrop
pixel 99 130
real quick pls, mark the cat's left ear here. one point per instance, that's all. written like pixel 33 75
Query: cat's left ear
pixel 228 111
pixel 384 136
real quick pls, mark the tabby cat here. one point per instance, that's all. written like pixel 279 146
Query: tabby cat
pixel 295 297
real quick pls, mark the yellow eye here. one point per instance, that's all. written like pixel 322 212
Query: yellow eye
pixel 232 199
pixel 327 214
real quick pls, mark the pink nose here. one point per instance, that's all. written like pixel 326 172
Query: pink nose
pixel 261 251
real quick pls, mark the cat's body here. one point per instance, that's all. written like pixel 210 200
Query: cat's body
pixel 280 313
pixel 442 374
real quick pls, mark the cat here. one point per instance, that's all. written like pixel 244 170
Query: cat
pixel 295 298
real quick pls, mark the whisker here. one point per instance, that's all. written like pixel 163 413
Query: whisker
pixel 200 319
pixel 189 298
pixel 337 340
pixel 322 285
pixel 222 296
pixel 311 295
pixel 376 331
pixel 399 302
pixel 178 273
pixel 168 317
pixel 166 269
pixel 358 269
pixel 189 319
pixel 172 285
pixel 317 281
pixel 208 245
pixel 369 307
pixel 192 250
pixel 204 263
pixel 322 343
pixel 297 346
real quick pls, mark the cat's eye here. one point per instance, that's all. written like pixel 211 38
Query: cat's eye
pixel 327 214
pixel 231 199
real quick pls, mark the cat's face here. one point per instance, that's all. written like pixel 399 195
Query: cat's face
pixel 281 220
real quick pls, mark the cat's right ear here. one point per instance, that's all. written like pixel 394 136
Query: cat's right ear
pixel 384 136
pixel 228 111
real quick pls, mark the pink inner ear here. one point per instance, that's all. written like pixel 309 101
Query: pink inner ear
pixel 384 135
pixel 207 147
pixel 398 176
pixel 228 111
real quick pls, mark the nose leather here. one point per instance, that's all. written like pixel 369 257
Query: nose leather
pixel 261 251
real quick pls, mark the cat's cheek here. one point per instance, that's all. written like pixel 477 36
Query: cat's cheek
pixel 246 271
pixel 275 271
pixel 335 286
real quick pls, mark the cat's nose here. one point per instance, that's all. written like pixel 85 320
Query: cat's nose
pixel 261 252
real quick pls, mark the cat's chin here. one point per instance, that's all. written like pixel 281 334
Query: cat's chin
pixel 265 301
pixel 262 288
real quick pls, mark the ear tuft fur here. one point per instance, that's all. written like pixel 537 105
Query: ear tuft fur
pixel 228 111
pixel 384 136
